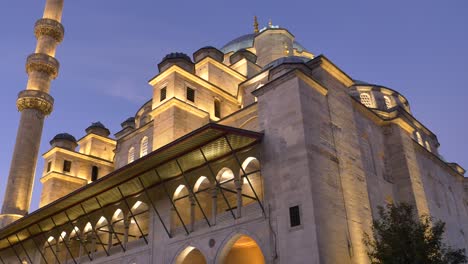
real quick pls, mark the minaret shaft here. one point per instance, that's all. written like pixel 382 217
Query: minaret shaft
pixel 35 104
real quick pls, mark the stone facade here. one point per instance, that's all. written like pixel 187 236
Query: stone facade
pixel 333 150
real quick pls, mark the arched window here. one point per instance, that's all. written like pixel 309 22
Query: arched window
pixel 144 146
pixel 419 138
pixel 428 146
pixel 388 101
pixel 366 99
pixel 131 155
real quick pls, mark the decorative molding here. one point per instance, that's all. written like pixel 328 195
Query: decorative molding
pixel 42 63
pixel 32 99
pixel 49 27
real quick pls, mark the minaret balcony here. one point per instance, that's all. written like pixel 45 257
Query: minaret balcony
pixel 42 63
pixel 49 27
pixel 35 99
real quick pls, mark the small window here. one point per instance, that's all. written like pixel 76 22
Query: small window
pixel 49 166
pixel 66 166
pixel 294 216
pixel 144 147
pixel 428 146
pixel 366 99
pixel 388 101
pixel 419 138
pixel 163 94
pixel 217 108
pixel 190 94
pixel 94 173
pixel 131 155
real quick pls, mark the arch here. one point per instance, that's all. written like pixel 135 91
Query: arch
pixel 240 248
pixel 140 211
pixel 183 205
pixel 249 124
pixel 190 255
pixel 131 155
pixel 225 174
pixel 366 100
pixel 251 166
pixel 419 138
pixel 144 146
pixel 49 250
pixel 388 101
pixel 118 225
pixel 202 182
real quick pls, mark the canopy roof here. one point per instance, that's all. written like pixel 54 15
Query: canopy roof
pixel 211 141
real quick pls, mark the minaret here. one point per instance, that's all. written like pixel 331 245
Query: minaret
pixel 35 104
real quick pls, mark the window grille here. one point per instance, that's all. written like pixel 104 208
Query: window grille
pixel 366 99
pixel 388 102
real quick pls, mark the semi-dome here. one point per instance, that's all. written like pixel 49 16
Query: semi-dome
pixel 378 97
pixel 290 59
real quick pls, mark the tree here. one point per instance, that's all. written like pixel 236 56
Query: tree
pixel 400 237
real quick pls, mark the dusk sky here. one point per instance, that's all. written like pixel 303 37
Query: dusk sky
pixel 112 48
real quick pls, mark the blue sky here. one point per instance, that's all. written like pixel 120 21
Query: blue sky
pixel 112 47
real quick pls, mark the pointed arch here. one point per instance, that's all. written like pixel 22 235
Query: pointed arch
pixel 241 247
pixel 140 210
pixel 190 255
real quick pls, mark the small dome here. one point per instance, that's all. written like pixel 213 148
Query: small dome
pixel 64 136
pixel 64 140
pixel 290 59
pixel 177 55
pixel 98 128
pixel 129 122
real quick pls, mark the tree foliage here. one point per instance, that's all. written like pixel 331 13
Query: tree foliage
pixel 400 237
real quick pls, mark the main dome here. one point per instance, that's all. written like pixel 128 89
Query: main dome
pixel 246 41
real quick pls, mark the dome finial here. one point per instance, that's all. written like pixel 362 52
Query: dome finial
pixel 270 24
pixel 255 24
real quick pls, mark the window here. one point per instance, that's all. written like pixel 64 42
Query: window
pixel 419 138
pixel 66 166
pixel 94 173
pixel 162 94
pixel 49 166
pixel 366 99
pixel 388 101
pixel 131 155
pixel 144 146
pixel 217 108
pixel 428 146
pixel 294 216
pixel 190 94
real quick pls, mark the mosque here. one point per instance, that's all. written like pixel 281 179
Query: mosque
pixel 258 152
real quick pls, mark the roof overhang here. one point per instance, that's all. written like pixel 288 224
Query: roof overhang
pixel 216 141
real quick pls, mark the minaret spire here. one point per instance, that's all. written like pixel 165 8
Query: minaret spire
pixel 255 24
pixel 270 24
pixel 35 104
